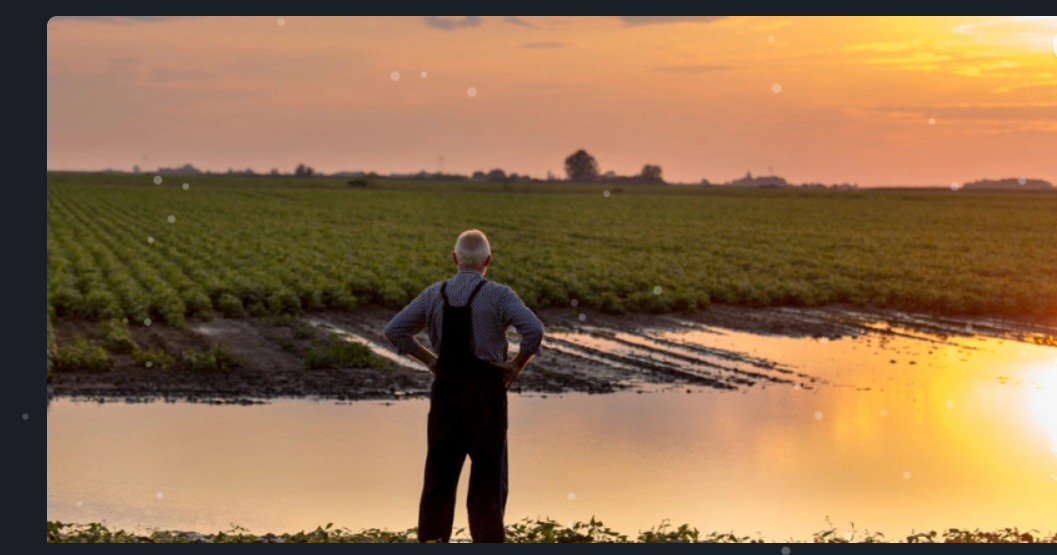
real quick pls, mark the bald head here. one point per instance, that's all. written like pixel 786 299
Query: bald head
pixel 472 250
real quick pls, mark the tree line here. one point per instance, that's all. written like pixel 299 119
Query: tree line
pixel 580 167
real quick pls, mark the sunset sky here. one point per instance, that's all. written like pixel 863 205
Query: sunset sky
pixel 693 94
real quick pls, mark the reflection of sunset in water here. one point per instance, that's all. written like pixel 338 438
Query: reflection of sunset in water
pixel 1043 402
pixel 917 433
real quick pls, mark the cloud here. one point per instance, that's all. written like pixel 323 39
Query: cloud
pixel 543 45
pixel 1019 112
pixel 515 20
pixel 700 68
pixel 120 19
pixel 635 20
pixel 882 46
pixel 916 61
pixel 1033 87
pixel 176 76
pixel 446 24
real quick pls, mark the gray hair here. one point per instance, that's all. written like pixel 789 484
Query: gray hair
pixel 472 248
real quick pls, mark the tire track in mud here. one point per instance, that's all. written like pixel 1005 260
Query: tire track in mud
pixel 678 358
pixel 693 353
pixel 553 373
pixel 928 328
pixel 618 361
pixel 652 368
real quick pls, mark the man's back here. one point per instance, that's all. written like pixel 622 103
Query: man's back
pixel 495 308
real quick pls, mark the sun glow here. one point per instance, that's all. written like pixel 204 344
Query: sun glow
pixel 1043 401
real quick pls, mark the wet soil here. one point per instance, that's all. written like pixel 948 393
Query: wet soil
pixel 583 351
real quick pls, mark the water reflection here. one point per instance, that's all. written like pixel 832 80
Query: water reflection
pixel 914 434
pixel 1043 403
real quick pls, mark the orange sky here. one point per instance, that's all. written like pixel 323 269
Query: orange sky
pixel 696 97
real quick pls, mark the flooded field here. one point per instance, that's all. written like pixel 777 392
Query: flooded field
pixel 767 425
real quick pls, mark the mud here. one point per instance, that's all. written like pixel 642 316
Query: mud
pixel 582 352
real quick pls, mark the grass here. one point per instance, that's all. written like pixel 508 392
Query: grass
pixel 80 355
pixel 218 358
pixel 335 352
pixel 527 531
pixel 154 360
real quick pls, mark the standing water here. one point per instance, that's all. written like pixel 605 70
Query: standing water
pixel 896 432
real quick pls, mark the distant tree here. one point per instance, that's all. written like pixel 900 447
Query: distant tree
pixel 581 167
pixel 274 172
pixel 706 183
pixel 479 176
pixel 651 174
pixel 496 175
pixel 304 171
pixel 135 169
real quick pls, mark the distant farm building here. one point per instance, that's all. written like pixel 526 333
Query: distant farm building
pixel 762 181
pixel 1012 184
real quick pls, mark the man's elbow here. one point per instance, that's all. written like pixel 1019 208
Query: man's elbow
pixel 534 338
pixel 537 326
pixel 392 335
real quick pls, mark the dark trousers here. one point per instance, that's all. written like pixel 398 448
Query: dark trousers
pixel 466 419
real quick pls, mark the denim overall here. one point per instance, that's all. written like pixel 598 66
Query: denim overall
pixel 467 416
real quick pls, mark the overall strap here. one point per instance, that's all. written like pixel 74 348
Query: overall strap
pixel 444 292
pixel 475 291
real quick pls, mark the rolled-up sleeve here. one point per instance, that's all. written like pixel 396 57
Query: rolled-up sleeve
pixel 516 314
pixel 409 322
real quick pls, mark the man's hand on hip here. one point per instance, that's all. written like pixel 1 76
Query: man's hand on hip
pixel 514 367
pixel 510 372
pixel 425 356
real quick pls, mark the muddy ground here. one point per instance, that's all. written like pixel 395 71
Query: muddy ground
pixel 598 354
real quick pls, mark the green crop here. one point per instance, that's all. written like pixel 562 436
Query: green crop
pixel 259 247
pixel 81 355
pixel 334 352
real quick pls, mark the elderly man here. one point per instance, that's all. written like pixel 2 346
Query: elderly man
pixel 467 318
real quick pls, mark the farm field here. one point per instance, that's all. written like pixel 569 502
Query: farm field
pixel 156 276
pixel 122 249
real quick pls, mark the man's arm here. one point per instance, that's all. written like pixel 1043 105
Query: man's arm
pixel 530 327
pixel 402 329
pixel 512 369
pixel 425 356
